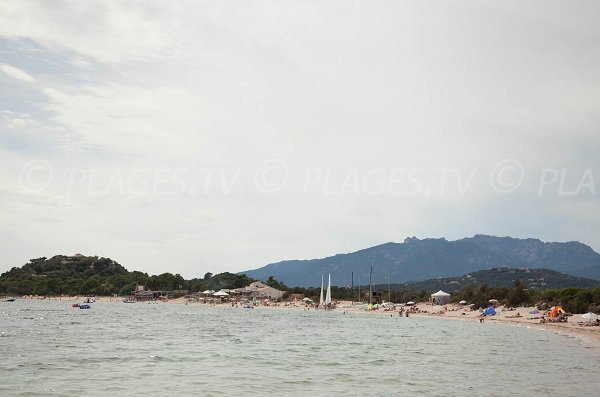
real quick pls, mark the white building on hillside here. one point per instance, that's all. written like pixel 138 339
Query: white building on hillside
pixel 261 291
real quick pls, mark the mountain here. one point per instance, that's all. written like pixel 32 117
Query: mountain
pixel 416 260
pixel 534 279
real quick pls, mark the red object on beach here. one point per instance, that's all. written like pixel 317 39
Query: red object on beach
pixel 75 305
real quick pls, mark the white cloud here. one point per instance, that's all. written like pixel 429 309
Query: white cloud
pixel 16 73
pixel 165 122
pixel 107 31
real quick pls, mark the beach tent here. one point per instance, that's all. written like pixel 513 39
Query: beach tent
pixel 590 316
pixel 221 293
pixel 208 292
pixel 440 298
pixel 554 311
pixel 490 311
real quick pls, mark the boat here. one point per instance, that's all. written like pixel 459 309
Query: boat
pixel 85 306
pixel 248 306
pixel 75 305
pixel 328 297
pixel 321 301
pixel 9 300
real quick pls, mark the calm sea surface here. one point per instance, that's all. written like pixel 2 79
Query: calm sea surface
pixel 117 349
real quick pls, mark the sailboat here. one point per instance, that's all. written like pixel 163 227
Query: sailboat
pixel 328 297
pixel 321 302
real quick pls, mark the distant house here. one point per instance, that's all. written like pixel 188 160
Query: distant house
pixel 261 291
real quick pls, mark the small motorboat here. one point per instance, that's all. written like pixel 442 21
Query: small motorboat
pixel 9 300
pixel 85 306
pixel 248 307
pixel 75 305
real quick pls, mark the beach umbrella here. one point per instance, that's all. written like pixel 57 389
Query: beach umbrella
pixel 410 303
pixel 590 316
pixel 462 302
pixel 493 301
pixel 221 293
pixel 307 300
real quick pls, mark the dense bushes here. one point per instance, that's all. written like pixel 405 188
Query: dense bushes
pixel 80 275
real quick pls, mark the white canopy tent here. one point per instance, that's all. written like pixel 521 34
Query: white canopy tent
pixel 440 298
pixel 590 316
pixel 220 293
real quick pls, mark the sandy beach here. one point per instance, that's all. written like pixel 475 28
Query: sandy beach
pixel 518 316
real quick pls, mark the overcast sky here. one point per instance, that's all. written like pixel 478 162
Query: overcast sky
pixel 222 136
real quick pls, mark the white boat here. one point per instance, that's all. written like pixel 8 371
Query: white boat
pixel 9 299
pixel 328 297
pixel 321 301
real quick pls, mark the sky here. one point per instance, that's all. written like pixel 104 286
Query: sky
pixel 192 137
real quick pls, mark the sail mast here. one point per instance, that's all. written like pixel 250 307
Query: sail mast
pixel 370 286
pixel 328 297
pixel 352 294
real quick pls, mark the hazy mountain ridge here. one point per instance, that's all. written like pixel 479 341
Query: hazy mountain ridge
pixel 421 259
pixel 501 278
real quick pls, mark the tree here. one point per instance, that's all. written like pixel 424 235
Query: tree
pixel 208 275
pixel 273 282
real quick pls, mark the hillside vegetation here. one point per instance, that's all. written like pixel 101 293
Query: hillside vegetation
pixel 91 275
pixel 503 277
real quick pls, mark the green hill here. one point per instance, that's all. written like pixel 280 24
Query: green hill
pixel 92 275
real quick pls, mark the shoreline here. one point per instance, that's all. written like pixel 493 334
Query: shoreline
pixel 517 316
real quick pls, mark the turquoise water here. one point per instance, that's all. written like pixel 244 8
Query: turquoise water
pixel 116 349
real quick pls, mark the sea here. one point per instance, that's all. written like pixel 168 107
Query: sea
pixel 48 348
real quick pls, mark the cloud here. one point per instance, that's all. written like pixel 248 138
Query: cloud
pixel 16 73
pixel 342 91
pixel 127 119
pixel 106 31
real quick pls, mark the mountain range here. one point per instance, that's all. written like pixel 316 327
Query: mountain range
pixel 533 279
pixel 421 259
